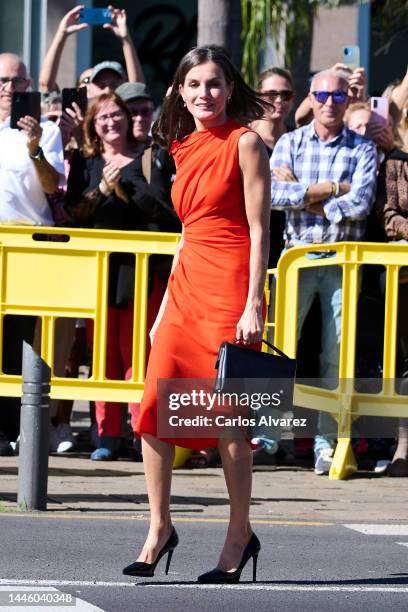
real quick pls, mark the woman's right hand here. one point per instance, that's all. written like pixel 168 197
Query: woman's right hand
pixel 110 178
pixel 69 24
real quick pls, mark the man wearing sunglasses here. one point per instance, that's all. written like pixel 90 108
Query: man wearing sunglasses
pixel 324 178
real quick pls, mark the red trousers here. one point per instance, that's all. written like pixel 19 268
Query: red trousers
pixel 119 357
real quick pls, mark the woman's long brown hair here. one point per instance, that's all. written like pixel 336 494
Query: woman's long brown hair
pixel 175 121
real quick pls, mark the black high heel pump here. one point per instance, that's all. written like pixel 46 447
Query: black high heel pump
pixel 139 568
pixel 217 575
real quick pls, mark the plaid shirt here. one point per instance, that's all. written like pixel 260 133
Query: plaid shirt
pixel 350 158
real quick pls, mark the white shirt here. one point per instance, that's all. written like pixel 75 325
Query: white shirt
pixel 22 199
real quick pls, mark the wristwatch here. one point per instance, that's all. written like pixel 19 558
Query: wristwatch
pixel 38 155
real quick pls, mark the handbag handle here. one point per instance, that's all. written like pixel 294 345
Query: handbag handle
pixel 274 348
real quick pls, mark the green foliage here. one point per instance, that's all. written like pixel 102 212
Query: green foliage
pixel 261 18
pixel 389 20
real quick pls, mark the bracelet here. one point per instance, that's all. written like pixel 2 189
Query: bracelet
pixel 335 189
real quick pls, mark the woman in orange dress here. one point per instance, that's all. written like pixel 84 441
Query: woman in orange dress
pixel 215 292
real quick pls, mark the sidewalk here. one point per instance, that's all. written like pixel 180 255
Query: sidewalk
pixel 78 486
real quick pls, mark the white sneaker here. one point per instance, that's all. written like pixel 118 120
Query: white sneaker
pixel 66 439
pixel 380 466
pixel 323 461
pixel 54 442
pixel 15 446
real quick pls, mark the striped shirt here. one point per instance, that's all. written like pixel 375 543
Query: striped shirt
pixel 349 158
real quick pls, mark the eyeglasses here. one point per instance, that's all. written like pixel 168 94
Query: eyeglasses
pixel 142 112
pixel 338 97
pixel 115 116
pixel 15 81
pixel 284 94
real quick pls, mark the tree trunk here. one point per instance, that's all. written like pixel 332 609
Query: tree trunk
pixel 219 23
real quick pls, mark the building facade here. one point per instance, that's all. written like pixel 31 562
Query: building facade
pixel 163 30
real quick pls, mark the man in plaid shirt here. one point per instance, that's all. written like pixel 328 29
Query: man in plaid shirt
pixel 324 178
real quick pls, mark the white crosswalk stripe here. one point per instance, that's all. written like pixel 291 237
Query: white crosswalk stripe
pixel 15 595
pixel 378 529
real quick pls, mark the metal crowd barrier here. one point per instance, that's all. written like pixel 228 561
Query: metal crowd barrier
pixel 344 403
pixel 58 272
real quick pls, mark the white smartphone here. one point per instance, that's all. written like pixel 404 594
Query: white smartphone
pixel 351 57
pixel 380 110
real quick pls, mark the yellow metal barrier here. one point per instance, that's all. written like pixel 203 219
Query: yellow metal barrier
pixel 344 403
pixel 53 279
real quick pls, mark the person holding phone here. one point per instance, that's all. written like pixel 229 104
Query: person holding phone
pixel 360 118
pixel 31 165
pixel 34 152
pixel 70 24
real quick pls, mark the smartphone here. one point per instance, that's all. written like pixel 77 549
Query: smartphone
pixel 95 16
pixel 25 103
pixel 74 94
pixel 351 57
pixel 380 110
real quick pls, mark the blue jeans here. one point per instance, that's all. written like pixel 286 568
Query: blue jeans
pixel 326 282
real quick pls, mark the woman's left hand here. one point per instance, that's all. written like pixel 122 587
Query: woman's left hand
pixel 250 326
pixel 119 23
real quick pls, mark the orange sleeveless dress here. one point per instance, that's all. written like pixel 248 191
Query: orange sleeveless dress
pixel 208 289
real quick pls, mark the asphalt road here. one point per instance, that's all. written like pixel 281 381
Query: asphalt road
pixel 302 566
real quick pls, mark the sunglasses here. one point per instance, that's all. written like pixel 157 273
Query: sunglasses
pixel 285 94
pixel 338 97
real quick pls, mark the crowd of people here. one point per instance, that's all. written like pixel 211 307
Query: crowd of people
pixel 339 173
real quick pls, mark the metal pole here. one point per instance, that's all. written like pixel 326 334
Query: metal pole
pixel 364 37
pixel 34 432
